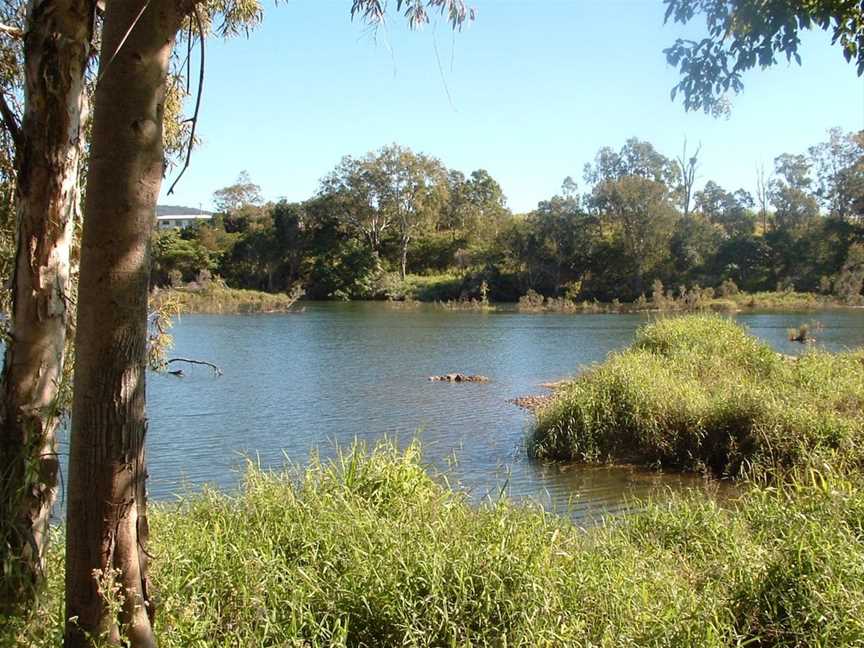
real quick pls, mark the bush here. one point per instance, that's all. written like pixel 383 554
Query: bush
pixel 727 288
pixel 699 393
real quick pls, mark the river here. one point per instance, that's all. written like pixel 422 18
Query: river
pixel 338 372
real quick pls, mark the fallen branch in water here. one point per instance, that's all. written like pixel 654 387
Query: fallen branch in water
pixel 216 370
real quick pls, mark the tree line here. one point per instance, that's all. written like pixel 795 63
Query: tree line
pixel 394 219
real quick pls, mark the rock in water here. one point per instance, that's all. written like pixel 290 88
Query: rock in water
pixel 459 377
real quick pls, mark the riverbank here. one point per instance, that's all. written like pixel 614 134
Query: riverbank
pixel 218 298
pixel 443 292
pixel 691 301
pixel 372 551
pixel 449 291
pixel 699 393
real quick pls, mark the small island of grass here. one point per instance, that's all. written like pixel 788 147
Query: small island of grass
pixel 699 393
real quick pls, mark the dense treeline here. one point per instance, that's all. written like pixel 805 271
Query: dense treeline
pixel 396 224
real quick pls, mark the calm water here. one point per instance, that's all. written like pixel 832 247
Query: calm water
pixel 337 372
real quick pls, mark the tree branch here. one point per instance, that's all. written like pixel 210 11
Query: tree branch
pixel 194 119
pixel 215 369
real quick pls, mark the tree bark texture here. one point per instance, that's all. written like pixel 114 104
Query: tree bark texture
pixel 57 44
pixel 106 516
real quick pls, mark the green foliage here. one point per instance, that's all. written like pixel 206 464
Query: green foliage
pixel 743 34
pixel 698 392
pixel 369 550
pixel 174 256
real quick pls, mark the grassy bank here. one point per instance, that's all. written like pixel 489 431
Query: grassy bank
pixel 370 551
pixel 693 300
pixel 217 298
pixel 698 392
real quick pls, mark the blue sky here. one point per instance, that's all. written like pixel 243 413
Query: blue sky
pixel 529 92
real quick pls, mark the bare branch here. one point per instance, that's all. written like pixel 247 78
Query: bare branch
pixel 216 370
pixel 194 119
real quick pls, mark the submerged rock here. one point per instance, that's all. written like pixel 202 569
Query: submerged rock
pixel 531 403
pixel 459 377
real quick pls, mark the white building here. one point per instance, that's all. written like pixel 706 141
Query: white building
pixel 179 221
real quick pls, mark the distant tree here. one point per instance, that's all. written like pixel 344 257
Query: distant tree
pixel 569 188
pixel 353 196
pixel 762 198
pixel 687 166
pixel 711 201
pixel 693 245
pixel 393 188
pixel 242 193
pixel 747 261
pixel 412 188
pixel 641 217
pixel 745 33
pixel 849 282
pixel 732 211
pixel 562 242
pixel 636 158
pixel 475 207
pixel 795 207
pixel 838 164
pixel 632 198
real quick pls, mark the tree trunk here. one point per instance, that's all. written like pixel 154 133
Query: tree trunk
pixel 106 512
pixel 403 268
pixel 56 50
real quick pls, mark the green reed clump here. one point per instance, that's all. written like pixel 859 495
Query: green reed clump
pixel 698 392
pixel 369 550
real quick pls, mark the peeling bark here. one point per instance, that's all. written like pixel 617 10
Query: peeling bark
pixel 107 515
pixel 57 43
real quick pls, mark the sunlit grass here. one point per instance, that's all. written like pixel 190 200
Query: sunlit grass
pixel 372 551
pixel 221 299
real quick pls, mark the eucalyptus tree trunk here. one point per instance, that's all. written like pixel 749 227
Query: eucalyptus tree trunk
pixel 107 528
pixel 57 42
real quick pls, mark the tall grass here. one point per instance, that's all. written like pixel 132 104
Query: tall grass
pixel 371 551
pixel 698 392
pixel 216 298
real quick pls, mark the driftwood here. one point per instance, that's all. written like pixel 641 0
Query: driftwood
pixel 179 372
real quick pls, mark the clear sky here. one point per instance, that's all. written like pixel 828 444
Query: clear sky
pixel 529 92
